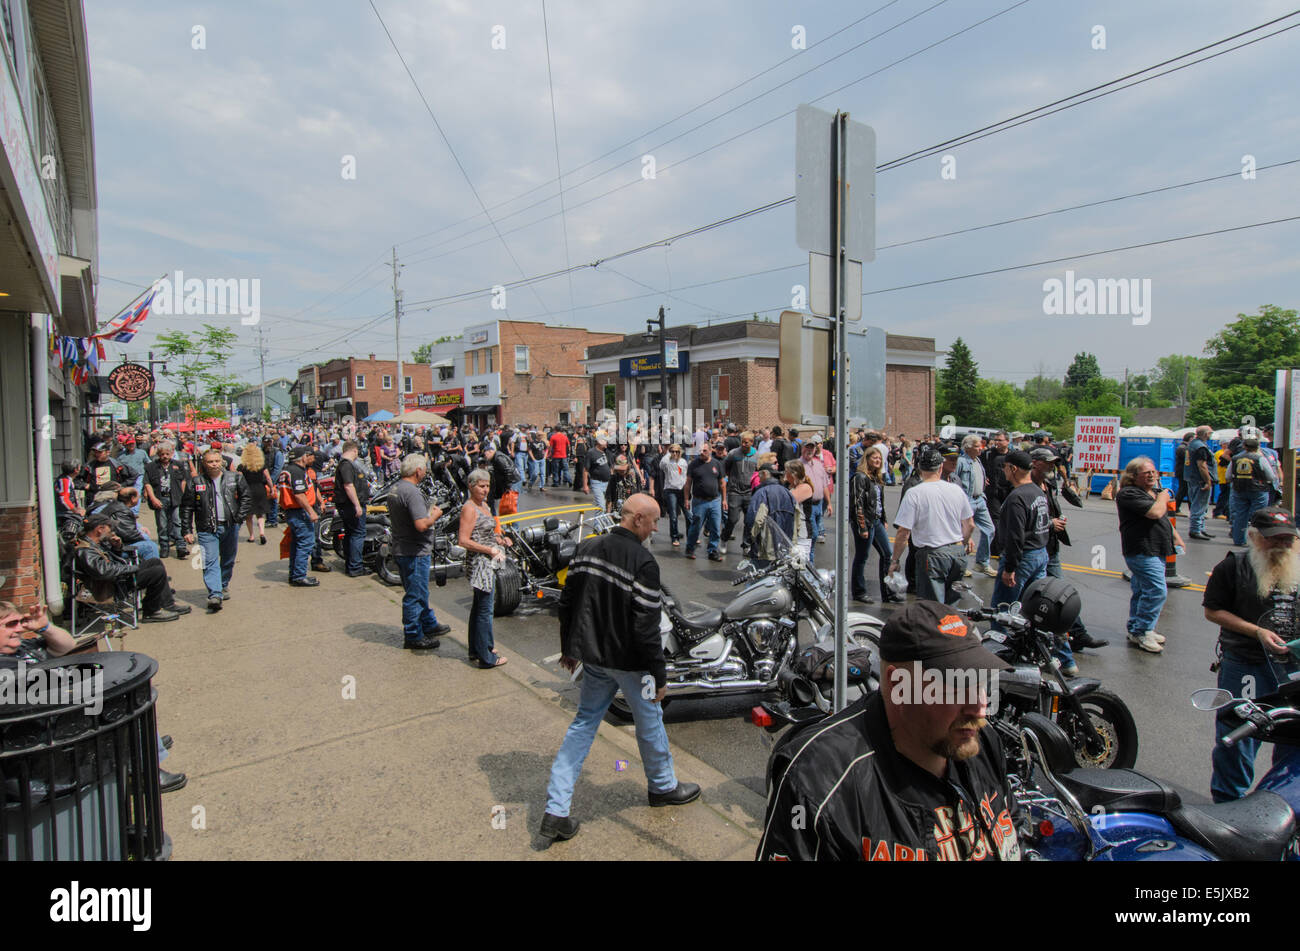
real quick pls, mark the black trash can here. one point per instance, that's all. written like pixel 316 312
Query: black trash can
pixel 79 781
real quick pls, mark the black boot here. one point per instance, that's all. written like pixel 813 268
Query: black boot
pixel 558 827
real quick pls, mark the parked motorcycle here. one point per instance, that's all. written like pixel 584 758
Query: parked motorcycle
pixel 1099 725
pixel 447 558
pixel 1083 814
pixel 750 645
pixel 538 556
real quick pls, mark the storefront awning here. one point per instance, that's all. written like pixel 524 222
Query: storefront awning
pixel 479 409
pixel 449 362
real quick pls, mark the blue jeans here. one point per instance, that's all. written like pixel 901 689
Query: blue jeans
pixel 1033 565
pixel 303 542
pixel 521 466
pixel 1233 770
pixel 535 475
pixel 673 502
pixel 139 488
pixel 936 570
pixel 560 472
pixel 168 520
pixel 418 619
pixel 877 538
pixel 1243 503
pixel 1147 581
pixel 219 550
pixel 146 547
pixel 481 643
pixel 983 522
pixel 710 511
pixel 598 492
pixel 815 529
pixel 599 684
pixel 355 540
pixel 1198 499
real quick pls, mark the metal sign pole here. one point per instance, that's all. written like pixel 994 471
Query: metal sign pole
pixel 843 473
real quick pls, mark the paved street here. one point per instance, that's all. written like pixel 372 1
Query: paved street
pixel 1174 739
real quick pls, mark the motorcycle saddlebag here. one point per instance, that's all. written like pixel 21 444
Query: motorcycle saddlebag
pixel 817 664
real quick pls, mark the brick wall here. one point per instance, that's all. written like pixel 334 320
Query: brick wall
pixel 374 394
pixel 909 400
pixel 555 378
pixel 20 561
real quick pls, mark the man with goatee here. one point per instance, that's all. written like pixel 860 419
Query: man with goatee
pixel 1251 596
pixel 904 774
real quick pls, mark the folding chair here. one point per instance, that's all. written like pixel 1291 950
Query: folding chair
pixel 101 609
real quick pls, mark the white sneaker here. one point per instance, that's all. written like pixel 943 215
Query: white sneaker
pixel 1160 638
pixel 987 569
pixel 968 573
pixel 1147 642
pixel 722 549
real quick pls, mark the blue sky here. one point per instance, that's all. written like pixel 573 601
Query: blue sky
pixel 226 162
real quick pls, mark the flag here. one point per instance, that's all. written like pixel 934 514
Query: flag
pixel 123 327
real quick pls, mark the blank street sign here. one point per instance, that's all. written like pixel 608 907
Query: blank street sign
pixel 819 287
pixel 815 180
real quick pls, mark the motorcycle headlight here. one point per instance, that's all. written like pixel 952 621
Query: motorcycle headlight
pixel 827 578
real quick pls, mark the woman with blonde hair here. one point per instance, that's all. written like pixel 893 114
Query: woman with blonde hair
pixel 260 489
pixel 867 520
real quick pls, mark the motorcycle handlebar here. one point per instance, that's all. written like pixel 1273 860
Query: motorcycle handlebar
pixel 1243 731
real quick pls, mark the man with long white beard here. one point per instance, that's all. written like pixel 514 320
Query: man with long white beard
pixel 1251 595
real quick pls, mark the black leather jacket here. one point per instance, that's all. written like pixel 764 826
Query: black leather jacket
pixel 124 523
pixel 199 508
pixel 101 562
pixel 610 606
pixel 862 503
pixel 859 799
pixel 503 473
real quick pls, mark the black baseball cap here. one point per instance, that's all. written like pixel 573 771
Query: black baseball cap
pixel 937 636
pixel 1273 521
pixel 1018 458
pixel 99 447
pixel 1044 454
pixel 297 452
pixel 96 520
pixel 929 460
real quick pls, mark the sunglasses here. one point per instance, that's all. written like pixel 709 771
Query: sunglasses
pixel 14 624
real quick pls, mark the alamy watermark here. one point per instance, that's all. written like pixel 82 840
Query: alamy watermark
pixel 969 686
pixel 1102 297
pixel 35 685
pixel 215 296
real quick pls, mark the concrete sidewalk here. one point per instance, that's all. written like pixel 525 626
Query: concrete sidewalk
pixel 308 733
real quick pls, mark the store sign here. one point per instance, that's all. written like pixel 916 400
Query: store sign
pixel 443 399
pixel 478 336
pixel 649 365
pixel 479 389
pixel 131 382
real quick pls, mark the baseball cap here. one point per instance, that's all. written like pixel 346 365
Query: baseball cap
pixel 1043 454
pixel 1273 521
pixel 96 520
pixel 929 460
pixel 937 636
pixel 99 447
pixel 128 440
pixel 950 452
pixel 297 452
pixel 1019 458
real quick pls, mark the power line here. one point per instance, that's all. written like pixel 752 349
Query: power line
pixel 662 125
pixel 1080 256
pixel 455 157
pixel 555 132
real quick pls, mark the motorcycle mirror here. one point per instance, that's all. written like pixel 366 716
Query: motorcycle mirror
pixel 1211 698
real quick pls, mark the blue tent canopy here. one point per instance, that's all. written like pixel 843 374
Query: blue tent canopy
pixel 378 417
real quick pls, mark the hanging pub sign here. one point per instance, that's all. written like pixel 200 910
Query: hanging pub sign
pixel 131 382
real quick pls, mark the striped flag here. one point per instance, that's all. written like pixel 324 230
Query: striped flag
pixel 123 327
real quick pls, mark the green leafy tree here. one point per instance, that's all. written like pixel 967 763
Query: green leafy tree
pixel 1250 349
pixel 957 391
pixel 1000 405
pixel 1224 409
pixel 1079 378
pixel 1178 379
pixel 424 352
pixel 195 360
pixel 1040 389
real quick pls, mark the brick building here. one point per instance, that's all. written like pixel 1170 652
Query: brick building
pixel 520 371
pixel 348 386
pixel 730 372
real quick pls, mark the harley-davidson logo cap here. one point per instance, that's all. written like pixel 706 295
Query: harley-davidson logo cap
pixel 937 636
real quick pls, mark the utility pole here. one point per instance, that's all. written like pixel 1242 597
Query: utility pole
pixel 261 360
pixel 1126 387
pixel 397 330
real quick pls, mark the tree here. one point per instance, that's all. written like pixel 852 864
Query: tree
pixel 958 384
pixel 194 361
pixel 424 352
pixel 1225 408
pixel 1178 379
pixel 1250 349
pixel 1000 405
pixel 1040 389
pixel 1082 372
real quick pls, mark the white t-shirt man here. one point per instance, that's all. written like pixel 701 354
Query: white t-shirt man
pixel 933 512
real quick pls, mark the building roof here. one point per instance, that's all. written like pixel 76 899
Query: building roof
pixel 689 335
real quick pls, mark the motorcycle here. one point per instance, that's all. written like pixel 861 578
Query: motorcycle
pixel 538 556
pixel 750 645
pixel 1099 725
pixel 447 558
pixel 1083 814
